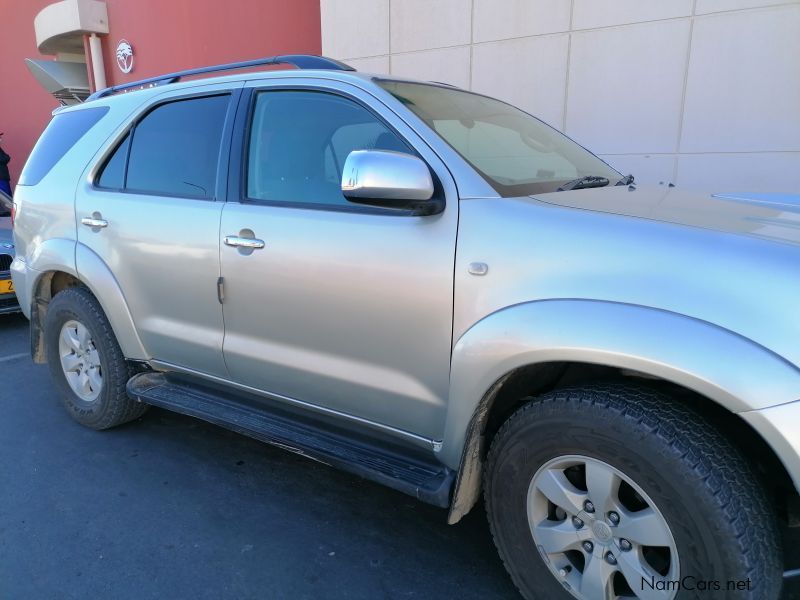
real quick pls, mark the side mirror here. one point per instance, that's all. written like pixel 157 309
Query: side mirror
pixel 389 180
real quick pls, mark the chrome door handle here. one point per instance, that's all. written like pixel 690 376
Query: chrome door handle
pixel 241 242
pixel 92 222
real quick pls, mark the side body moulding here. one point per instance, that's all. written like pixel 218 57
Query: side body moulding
pixel 716 363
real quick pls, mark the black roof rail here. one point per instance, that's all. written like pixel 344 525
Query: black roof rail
pixel 301 61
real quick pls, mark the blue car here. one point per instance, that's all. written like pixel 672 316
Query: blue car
pixel 8 299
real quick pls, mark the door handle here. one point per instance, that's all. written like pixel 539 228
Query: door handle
pixel 92 222
pixel 242 242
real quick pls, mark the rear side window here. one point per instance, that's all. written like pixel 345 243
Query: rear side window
pixel 61 134
pixel 173 151
pixel 113 174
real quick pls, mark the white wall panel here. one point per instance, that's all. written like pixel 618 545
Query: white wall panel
pixel 604 13
pixel 703 91
pixel 354 28
pixel 743 90
pixel 626 86
pixel 503 19
pixel 537 86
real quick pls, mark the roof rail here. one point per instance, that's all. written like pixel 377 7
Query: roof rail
pixel 301 61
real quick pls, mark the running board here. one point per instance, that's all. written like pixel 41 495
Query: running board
pixel 385 463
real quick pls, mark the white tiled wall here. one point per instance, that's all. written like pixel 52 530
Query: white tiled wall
pixel 703 93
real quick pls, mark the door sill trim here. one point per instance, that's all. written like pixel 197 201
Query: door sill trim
pixel 411 438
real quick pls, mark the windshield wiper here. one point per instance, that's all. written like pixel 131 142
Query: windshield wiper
pixel 627 180
pixel 590 181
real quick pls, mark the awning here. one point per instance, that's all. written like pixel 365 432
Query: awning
pixel 67 81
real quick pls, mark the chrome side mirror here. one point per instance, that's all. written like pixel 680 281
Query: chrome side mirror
pixel 389 180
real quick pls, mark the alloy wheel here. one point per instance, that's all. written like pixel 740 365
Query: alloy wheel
pixel 80 360
pixel 600 534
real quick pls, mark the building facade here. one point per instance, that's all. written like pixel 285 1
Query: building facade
pixel 702 93
pixel 48 48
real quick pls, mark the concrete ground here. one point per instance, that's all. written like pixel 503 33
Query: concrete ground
pixel 171 507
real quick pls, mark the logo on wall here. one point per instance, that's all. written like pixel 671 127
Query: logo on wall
pixel 125 56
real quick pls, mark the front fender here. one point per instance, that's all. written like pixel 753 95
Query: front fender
pixel 719 364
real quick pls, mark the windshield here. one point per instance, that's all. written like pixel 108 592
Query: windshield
pixel 516 153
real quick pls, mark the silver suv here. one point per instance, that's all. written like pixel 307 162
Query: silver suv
pixel 439 292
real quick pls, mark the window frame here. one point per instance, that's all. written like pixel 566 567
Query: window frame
pixel 219 190
pixel 240 154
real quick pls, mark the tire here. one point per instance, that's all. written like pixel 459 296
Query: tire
pixel 96 405
pixel 720 524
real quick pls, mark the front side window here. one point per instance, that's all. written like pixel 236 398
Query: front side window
pixel 174 150
pixel 517 154
pixel 299 141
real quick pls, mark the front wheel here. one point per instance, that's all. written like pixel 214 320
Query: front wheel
pixel 617 491
pixel 86 363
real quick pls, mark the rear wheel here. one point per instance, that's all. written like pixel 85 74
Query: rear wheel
pixel 86 363
pixel 616 491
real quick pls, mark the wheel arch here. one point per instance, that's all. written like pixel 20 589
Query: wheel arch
pixel 93 274
pixel 531 348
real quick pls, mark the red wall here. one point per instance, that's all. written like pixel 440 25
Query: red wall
pixel 24 105
pixel 166 36
pixel 183 34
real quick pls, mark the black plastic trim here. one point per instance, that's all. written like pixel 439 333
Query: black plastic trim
pixel 404 469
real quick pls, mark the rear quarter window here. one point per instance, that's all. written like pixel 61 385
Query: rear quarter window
pixel 62 133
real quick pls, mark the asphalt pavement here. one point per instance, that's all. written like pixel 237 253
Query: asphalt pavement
pixel 172 507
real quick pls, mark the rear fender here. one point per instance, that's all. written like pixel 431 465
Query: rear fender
pixel 92 272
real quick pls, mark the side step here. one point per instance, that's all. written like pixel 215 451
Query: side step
pixel 384 462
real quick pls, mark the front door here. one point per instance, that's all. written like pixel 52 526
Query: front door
pixel 152 215
pixel 344 307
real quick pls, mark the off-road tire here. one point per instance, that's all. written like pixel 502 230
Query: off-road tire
pixel 722 521
pixel 113 406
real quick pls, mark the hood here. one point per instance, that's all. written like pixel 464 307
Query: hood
pixel 770 216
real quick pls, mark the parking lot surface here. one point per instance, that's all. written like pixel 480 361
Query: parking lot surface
pixel 169 506
pixel 172 507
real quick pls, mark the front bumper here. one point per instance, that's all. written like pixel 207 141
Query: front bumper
pixel 8 304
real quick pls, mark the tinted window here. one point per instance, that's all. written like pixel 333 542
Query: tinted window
pixel 300 140
pixel 62 133
pixel 113 174
pixel 175 148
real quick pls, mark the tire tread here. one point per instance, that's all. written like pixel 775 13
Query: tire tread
pixel 713 461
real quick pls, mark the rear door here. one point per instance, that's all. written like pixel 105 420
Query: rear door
pixel 345 308
pixel 152 214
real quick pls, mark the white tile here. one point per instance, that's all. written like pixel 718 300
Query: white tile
pixel 709 6
pixel 503 19
pixel 743 90
pixel 375 64
pixel 538 87
pixel 446 65
pixel 625 87
pixel 604 13
pixel 649 169
pixel 758 172
pixel 425 24
pixel 354 28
